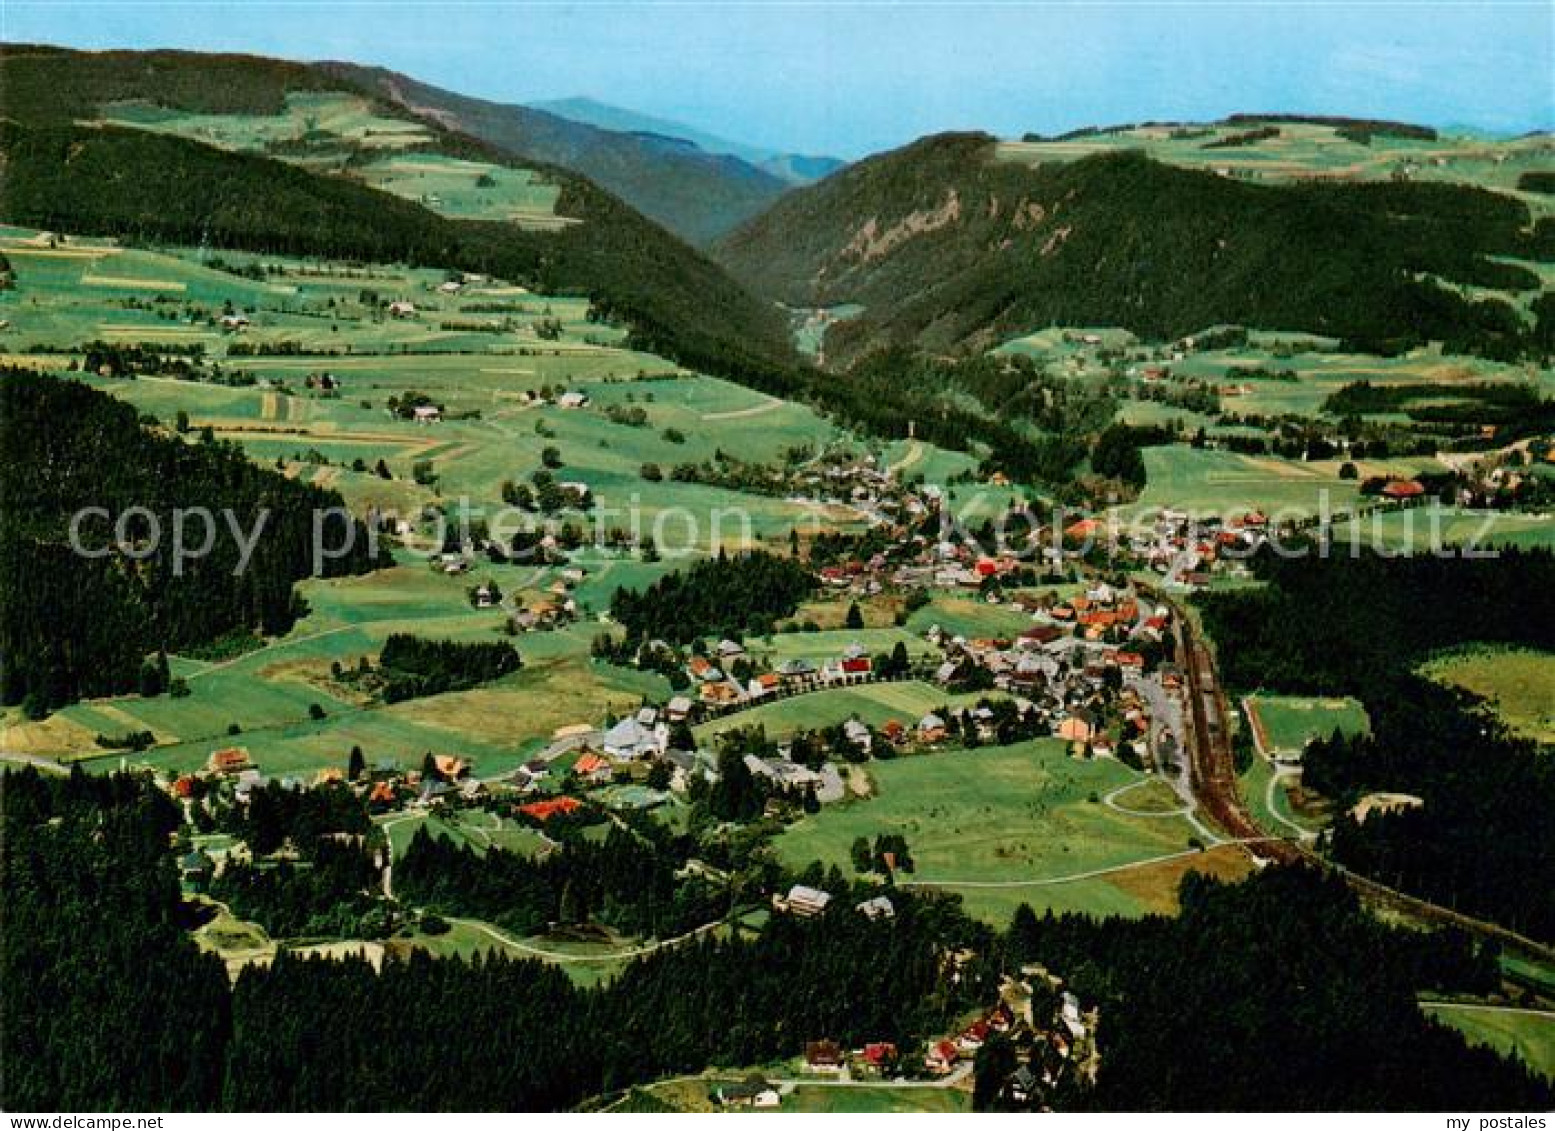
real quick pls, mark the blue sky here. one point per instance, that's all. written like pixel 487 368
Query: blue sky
pixel 852 78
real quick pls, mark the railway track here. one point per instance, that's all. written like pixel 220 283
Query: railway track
pixel 1214 782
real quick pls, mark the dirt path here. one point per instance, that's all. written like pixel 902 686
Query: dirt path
pixel 508 940
pixel 913 455
pixel 1094 873
pixel 769 405
pixel 1276 779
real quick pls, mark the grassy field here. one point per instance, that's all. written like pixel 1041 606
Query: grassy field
pixel 320 131
pixel 1528 1036
pixel 476 829
pixel 695 1095
pixel 1309 151
pixel 874 703
pixel 1020 813
pixel 89 289
pixel 1430 527
pixel 1204 481
pixel 830 643
pixel 1286 723
pixel 882 1099
pixel 1519 683
pixel 969 616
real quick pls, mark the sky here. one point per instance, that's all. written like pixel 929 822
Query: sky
pixel 851 78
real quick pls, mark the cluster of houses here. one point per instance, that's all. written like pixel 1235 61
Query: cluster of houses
pixel 805 902
pixel 1050 1031
pixel 232 773
pixel 1053 1034
pixel 1188 551
pixel 1078 665
pixel 716 688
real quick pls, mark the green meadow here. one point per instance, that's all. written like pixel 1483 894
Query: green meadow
pixel 326 317
pixel 1206 481
pixel 1527 1035
pixel 1305 151
pixel 1027 814
pixel 1518 684
pixel 1289 722
pixel 874 703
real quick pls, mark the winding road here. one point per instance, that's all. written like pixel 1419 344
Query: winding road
pixel 1214 782
pixel 507 940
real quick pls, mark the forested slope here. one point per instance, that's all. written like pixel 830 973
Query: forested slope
pixel 73 625
pixel 145 187
pixel 946 248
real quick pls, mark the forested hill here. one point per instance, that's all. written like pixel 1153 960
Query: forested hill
pixel 947 247
pixel 695 194
pixel 72 625
pixel 57 85
pixel 151 187
pixel 113 181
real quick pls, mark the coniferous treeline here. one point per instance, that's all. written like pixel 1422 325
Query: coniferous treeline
pixel 1342 625
pixel 413 666
pixel 74 626
pixel 625 882
pixel 722 596
pixel 1277 994
pixel 107 1003
pixel 1514 408
pixel 331 893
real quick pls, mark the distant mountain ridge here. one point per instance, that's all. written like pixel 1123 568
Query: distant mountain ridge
pixel 697 195
pixel 63 171
pixel 948 248
pixel 796 168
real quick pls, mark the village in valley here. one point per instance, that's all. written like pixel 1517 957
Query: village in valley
pixel 839 714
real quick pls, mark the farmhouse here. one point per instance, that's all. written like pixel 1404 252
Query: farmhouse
pixel 878 1056
pixel 592 767
pixel 806 902
pixel 629 739
pixel 426 414
pixel 931 728
pixel 753 1091
pixel 400 308
pixel 232 760
pixel 1078 726
pixel 824 1056
pixel 880 907
pixel 941 1058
